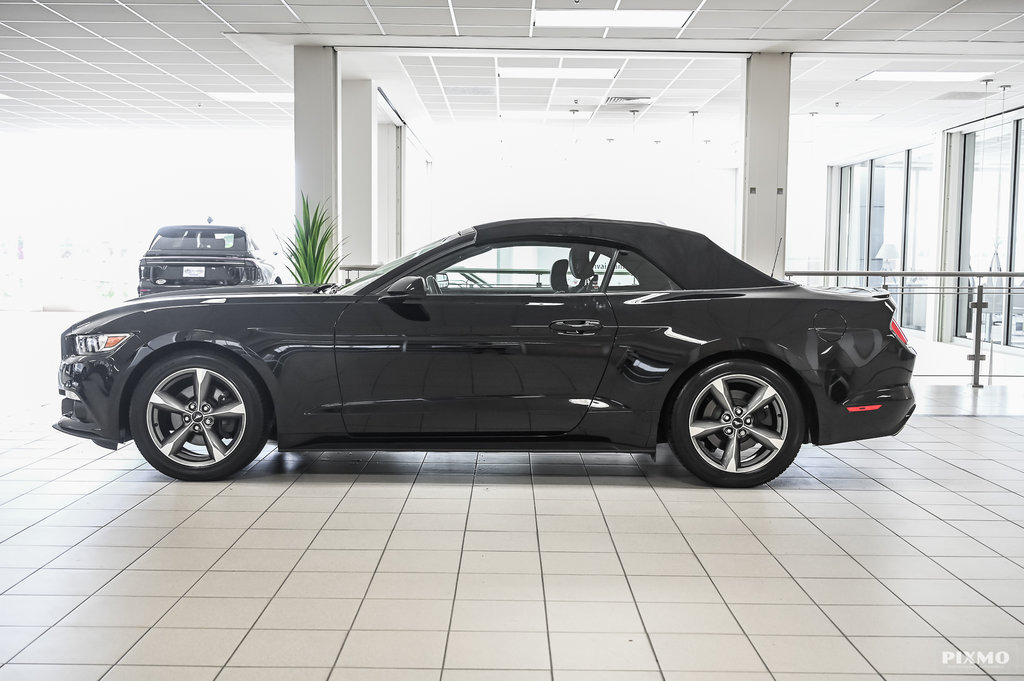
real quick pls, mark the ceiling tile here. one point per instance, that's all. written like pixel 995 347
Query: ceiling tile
pixel 48 29
pixel 82 12
pixel 873 21
pixel 182 13
pixel 492 17
pixel 733 20
pixel 134 29
pixel 358 14
pixel 981 21
pixel 803 20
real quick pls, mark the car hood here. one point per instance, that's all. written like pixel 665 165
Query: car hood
pixel 104 322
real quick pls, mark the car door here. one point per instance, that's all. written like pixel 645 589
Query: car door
pixel 492 347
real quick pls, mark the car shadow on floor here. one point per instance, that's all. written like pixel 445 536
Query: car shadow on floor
pixel 458 468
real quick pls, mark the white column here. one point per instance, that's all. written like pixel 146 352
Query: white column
pixel 358 170
pixel 316 127
pixel 385 243
pixel 766 161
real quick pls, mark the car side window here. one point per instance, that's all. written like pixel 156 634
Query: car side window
pixel 533 268
pixel 633 272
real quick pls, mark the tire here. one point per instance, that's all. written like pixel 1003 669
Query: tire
pixel 232 426
pixel 749 448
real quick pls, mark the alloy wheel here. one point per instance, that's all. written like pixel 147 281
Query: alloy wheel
pixel 738 423
pixel 196 417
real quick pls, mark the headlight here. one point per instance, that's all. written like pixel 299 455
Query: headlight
pixel 99 342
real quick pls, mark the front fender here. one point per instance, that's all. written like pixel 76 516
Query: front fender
pixel 192 340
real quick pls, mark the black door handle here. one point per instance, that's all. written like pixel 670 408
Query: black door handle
pixel 576 327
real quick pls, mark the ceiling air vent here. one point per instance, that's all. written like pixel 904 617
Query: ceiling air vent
pixel 962 96
pixel 628 101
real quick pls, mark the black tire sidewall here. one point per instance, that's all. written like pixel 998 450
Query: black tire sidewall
pixel 687 453
pixel 253 438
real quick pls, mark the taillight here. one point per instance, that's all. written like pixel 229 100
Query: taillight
pixel 898 332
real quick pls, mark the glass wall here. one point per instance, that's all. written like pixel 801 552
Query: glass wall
pixel 890 218
pixel 885 226
pixel 1016 330
pixel 985 227
pixel 922 236
pixel 853 218
pixel 889 221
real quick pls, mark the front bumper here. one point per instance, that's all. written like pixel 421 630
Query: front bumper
pixel 89 409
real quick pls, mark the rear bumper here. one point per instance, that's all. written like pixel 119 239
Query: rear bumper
pixel 147 287
pixel 875 413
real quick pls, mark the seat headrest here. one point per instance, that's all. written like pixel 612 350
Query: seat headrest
pixel 559 282
pixel 579 262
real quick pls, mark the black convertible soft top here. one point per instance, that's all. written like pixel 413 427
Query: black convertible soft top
pixel 692 260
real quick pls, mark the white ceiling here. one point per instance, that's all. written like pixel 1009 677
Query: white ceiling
pixel 152 62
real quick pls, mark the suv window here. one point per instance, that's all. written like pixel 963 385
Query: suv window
pixel 534 268
pixel 635 273
pixel 198 239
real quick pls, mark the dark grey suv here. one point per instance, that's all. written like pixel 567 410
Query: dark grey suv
pixel 197 256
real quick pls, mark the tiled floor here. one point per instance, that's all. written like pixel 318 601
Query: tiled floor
pixel 898 558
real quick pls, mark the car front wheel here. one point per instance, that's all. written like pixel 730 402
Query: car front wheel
pixel 737 423
pixel 197 417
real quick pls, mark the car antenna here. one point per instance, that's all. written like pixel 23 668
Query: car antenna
pixel 776 260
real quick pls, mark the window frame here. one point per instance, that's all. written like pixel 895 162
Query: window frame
pixel 475 248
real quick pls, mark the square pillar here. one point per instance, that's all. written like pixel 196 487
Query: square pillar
pixel 316 127
pixel 359 202
pixel 766 162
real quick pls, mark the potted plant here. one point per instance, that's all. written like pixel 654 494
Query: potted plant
pixel 312 260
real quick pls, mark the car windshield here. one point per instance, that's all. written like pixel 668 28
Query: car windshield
pixel 373 275
pixel 199 239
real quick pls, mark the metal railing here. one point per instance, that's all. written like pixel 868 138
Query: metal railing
pixel 962 306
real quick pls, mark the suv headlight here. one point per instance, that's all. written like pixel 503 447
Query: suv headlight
pixel 99 342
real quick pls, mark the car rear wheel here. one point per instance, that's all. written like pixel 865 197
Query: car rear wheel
pixel 197 417
pixel 737 423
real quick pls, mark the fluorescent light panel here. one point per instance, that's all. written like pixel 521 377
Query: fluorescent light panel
pixel 252 96
pixel 618 18
pixel 927 76
pixel 550 73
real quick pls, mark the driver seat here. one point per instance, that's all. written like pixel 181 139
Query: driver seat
pixel 559 280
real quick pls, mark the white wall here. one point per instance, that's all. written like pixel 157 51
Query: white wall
pixel 479 179
pixel 85 203
pixel 417 194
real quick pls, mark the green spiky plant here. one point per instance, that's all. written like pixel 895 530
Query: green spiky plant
pixel 311 258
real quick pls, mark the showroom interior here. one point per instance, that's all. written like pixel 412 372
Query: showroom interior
pixel 832 143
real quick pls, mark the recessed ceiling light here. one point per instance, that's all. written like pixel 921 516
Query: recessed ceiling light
pixel 619 18
pixel 927 76
pixel 252 96
pixel 553 72
pixel 542 115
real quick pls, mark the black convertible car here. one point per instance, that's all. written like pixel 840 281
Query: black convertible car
pixel 556 334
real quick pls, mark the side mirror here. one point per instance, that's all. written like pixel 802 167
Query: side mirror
pixel 404 289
